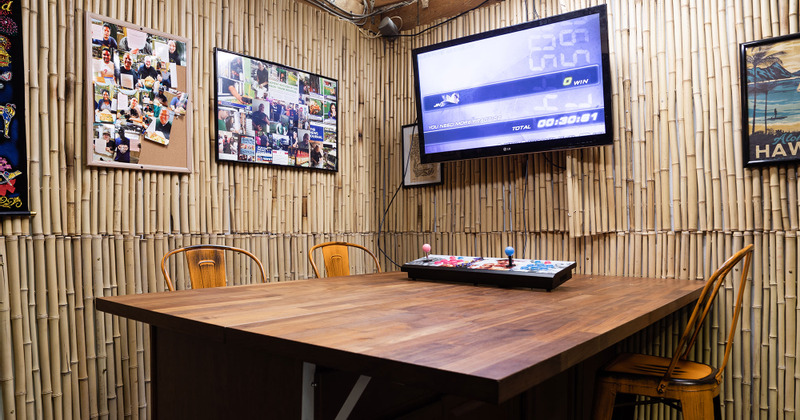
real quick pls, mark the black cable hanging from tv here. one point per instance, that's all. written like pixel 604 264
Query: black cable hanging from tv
pixel 388 206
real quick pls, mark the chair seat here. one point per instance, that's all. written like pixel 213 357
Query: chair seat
pixel 644 366
pixel 693 385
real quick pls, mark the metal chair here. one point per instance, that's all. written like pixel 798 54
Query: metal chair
pixel 336 256
pixel 206 265
pixel 693 387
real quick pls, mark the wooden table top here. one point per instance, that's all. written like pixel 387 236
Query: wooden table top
pixel 484 343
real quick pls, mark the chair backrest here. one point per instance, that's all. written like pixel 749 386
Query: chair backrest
pixel 206 265
pixel 337 258
pixel 702 308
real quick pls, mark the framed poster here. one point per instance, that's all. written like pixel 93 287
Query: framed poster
pixel 13 142
pixel 272 114
pixel 138 104
pixel 770 73
pixel 416 173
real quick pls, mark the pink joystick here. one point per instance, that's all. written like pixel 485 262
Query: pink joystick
pixel 426 248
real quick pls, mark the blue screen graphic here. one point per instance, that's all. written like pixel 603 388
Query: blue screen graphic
pixel 535 84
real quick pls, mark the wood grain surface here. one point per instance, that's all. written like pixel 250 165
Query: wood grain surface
pixel 484 343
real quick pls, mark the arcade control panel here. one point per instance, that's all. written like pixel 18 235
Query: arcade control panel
pixel 503 272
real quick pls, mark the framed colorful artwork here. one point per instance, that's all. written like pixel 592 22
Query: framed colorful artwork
pixel 770 81
pixel 137 95
pixel 13 147
pixel 416 173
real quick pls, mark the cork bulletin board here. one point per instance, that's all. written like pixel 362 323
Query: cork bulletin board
pixel 138 103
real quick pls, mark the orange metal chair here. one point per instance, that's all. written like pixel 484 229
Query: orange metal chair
pixel 694 386
pixel 207 265
pixel 336 256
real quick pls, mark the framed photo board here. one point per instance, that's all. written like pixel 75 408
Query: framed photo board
pixel 137 95
pixel 770 81
pixel 416 173
pixel 272 114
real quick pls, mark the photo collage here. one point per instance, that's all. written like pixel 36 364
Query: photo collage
pixel 272 114
pixel 136 90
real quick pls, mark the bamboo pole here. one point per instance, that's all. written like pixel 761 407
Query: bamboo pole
pixel 6 355
pixel 793 258
pixel 16 345
pixel 55 301
pixel 661 110
pixel 631 71
pixel 773 396
pixel 790 331
pixel 33 382
pixel 643 53
pixel 43 337
pixel 71 394
pixel 678 164
pixel 764 394
pixel 694 189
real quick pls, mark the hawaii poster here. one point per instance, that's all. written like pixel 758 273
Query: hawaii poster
pixel 771 100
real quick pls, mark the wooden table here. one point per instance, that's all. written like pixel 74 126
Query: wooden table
pixel 242 348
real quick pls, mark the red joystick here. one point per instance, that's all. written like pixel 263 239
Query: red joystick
pixel 426 248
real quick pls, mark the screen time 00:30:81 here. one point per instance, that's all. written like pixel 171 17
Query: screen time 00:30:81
pixel 567 120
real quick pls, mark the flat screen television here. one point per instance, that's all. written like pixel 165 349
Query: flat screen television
pixel 538 86
pixel 268 113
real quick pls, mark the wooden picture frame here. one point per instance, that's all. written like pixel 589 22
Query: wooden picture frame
pixel 138 102
pixel 770 85
pixel 416 173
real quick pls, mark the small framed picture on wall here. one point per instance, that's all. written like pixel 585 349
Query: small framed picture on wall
pixel 416 173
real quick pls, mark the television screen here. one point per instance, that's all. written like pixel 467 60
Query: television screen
pixel 533 87
pixel 272 114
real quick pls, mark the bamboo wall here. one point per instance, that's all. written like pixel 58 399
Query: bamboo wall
pixel 670 198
